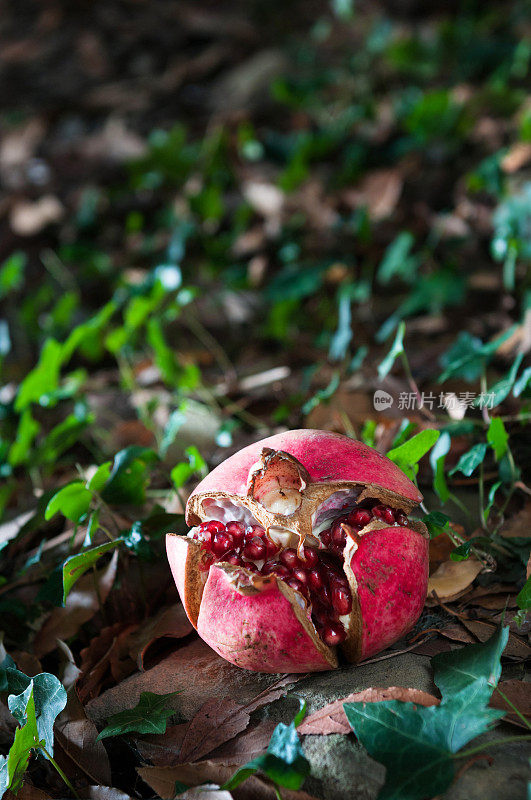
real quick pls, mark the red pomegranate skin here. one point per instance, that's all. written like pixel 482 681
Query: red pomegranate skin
pixel 328 457
pixel 262 624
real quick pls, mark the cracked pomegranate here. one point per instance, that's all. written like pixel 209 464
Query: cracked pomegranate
pixel 300 543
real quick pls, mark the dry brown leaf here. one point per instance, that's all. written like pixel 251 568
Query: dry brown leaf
pixel 518 525
pixel 453 577
pixel 26 662
pixel 162 750
pixel 169 623
pixel 221 719
pixel 379 191
pixel 494 602
pixel 76 735
pixel 81 605
pixel 332 718
pixel 162 781
pixel 105 661
pixel 519 693
pixel 28 218
pixel 212 676
pixel 516 647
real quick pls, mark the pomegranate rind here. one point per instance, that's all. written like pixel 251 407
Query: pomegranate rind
pixel 258 624
pixel 388 572
pixel 185 557
pixel 327 458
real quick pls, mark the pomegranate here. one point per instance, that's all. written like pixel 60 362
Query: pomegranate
pixel 299 544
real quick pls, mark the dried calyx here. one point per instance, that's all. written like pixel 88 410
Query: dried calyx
pixel 295 549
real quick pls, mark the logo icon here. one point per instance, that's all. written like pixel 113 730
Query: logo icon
pixel 382 400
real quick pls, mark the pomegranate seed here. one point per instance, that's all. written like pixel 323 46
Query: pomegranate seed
pixel 233 558
pixel 325 596
pixel 315 580
pixel 297 585
pixel 237 531
pixel 289 557
pixel 333 633
pixel 212 527
pixel 250 566
pixel 272 548
pixel 341 600
pixel 300 574
pixel 339 535
pixel 311 556
pixel 254 530
pixel 326 537
pixel 402 520
pixel 221 542
pixel 255 548
pixel 359 517
pixel 206 563
pixel 275 568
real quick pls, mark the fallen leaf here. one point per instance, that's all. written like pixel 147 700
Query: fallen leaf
pixel 221 719
pixel 76 735
pixel 81 605
pixel 452 578
pixel 212 676
pixel 162 781
pixel 519 693
pixel 28 218
pixel 332 719
pixel 519 524
pixel 105 661
pixel 169 623
pixel 516 647
pixel 379 192
pixel 27 792
pixel 163 750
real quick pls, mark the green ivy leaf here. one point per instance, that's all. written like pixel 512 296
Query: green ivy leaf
pixel 73 501
pixel 470 460
pixel 397 348
pixel 100 477
pixel 522 383
pixel 436 523
pixel 12 273
pixel 43 378
pixel 76 566
pixel 150 715
pixel 467 356
pixel 14 765
pixel 407 455
pixel 497 393
pixel 398 260
pixel 284 762
pixel 44 696
pixel 28 429
pixel 129 477
pixel 497 437
pixel 417 744
pixel 183 471
pixel 523 598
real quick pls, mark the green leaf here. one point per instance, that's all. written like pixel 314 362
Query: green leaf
pixel 407 455
pixel 523 598
pixel 100 477
pixel 497 393
pixel 175 422
pixel 497 437
pixel 284 762
pixel 397 348
pixel 183 471
pixel 48 696
pixel 467 356
pixel 522 383
pixel 14 765
pixel 462 552
pixel 150 715
pixel 76 566
pixel 28 429
pixel 322 395
pixel 72 501
pixel 44 378
pixel 417 744
pixel 470 460
pixel 398 260
pixel 436 523
pixel 12 273
pixel 129 477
